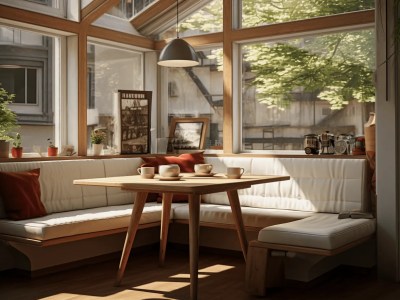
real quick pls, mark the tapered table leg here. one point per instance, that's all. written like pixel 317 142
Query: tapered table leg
pixel 130 235
pixel 237 216
pixel 165 218
pixel 194 221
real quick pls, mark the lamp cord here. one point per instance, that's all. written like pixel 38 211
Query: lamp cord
pixel 177 21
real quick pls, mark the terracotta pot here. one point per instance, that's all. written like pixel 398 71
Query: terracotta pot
pixel 52 151
pixel 16 152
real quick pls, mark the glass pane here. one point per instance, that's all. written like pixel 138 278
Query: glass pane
pixel 31 86
pixel 263 12
pixel 306 85
pixel 110 69
pixel 198 92
pixel 126 9
pixel 25 71
pixel 206 20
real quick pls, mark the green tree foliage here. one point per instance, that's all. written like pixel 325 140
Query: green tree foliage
pixel 336 67
pixel 8 119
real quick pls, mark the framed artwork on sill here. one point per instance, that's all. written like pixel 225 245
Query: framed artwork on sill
pixel 135 112
pixel 187 134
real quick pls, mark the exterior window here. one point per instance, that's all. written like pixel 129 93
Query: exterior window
pixel 306 85
pixel 264 12
pixel 23 82
pixel 110 69
pixel 28 69
pixel 197 92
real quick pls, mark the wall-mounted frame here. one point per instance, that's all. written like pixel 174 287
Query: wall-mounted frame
pixel 187 133
pixel 135 112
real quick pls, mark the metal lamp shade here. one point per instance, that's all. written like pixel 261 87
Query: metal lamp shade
pixel 178 53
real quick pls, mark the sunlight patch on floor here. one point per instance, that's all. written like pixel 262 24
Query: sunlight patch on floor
pixel 163 286
pixel 187 276
pixel 216 269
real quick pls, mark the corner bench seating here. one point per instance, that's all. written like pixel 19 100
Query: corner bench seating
pixel 284 213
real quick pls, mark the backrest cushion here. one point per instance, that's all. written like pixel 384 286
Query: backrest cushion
pixel 20 192
pixel 316 184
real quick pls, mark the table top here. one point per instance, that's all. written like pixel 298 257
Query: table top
pixel 188 183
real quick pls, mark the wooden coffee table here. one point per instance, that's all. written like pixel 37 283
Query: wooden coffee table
pixel 194 187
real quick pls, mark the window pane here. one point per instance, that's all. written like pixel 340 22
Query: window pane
pixel 126 9
pixel 31 86
pixel 263 12
pixel 208 19
pixel 110 69
pixel 13 81
pixel 198 92
pixel 306 85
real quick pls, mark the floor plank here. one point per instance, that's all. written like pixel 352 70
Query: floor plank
pixel 221 276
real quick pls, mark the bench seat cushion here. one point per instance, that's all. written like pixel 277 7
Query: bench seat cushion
pixel 78 222
pixel 323 231
pixel 252 217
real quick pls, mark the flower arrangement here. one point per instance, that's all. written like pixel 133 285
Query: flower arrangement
pixel 97 136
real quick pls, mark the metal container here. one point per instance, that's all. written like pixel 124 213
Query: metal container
pixel 311 144
pixel 327 141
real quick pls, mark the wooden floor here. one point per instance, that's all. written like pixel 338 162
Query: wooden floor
pixel 221 276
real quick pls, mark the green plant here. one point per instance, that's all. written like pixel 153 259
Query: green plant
pixel 97 136
pixel 17 141
pixel 50 141
pixel 8 119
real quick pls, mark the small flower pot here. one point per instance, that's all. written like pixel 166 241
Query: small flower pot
pixel 52 151
pixel 16 152
pixel 97 148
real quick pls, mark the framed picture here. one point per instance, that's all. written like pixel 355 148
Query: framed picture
pixel 135 111
pixel 187 134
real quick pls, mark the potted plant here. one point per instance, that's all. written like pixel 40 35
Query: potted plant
pixel 97 138
pixel 51 149
pixel 8 120
pixel 16 150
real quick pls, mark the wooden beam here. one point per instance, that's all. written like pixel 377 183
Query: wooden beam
pixel 38 19
pixel 95 10
pixel 82 93
pixel 315 24
pixel 120 37
pixel 227 128
pixel 151 12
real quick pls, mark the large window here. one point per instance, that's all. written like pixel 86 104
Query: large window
pixel 197 92
pixel 263 12
pixel 304 85
pixel 110 69
pixel 126 9
pixel 28 69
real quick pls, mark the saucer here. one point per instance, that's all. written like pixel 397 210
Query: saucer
pixel 204 174
pixel 175 178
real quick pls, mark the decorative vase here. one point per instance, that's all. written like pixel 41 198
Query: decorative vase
pixel 4 149
pixel 52 151
pixel 16 152
pixel 97 148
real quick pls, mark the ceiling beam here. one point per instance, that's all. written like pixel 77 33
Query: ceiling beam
pixel 38 19
pixel 95 10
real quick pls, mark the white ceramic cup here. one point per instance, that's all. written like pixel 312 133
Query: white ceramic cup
pixel 171 170
pixel 234 172
pixel 203 168
pixel 146 172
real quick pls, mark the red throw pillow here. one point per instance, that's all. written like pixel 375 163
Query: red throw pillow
pixel 20 192
pixel 185 161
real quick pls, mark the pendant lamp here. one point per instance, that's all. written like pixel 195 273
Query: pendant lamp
pixel 178 53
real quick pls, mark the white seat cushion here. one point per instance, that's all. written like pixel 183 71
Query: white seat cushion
pixel 254 217
pixel 78 222
pixel 323 231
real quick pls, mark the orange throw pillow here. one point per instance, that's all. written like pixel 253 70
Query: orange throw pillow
pixel 185 161
pixel 20 192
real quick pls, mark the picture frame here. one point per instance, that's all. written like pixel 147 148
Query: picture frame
pixel 187 134
pixel 135 112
